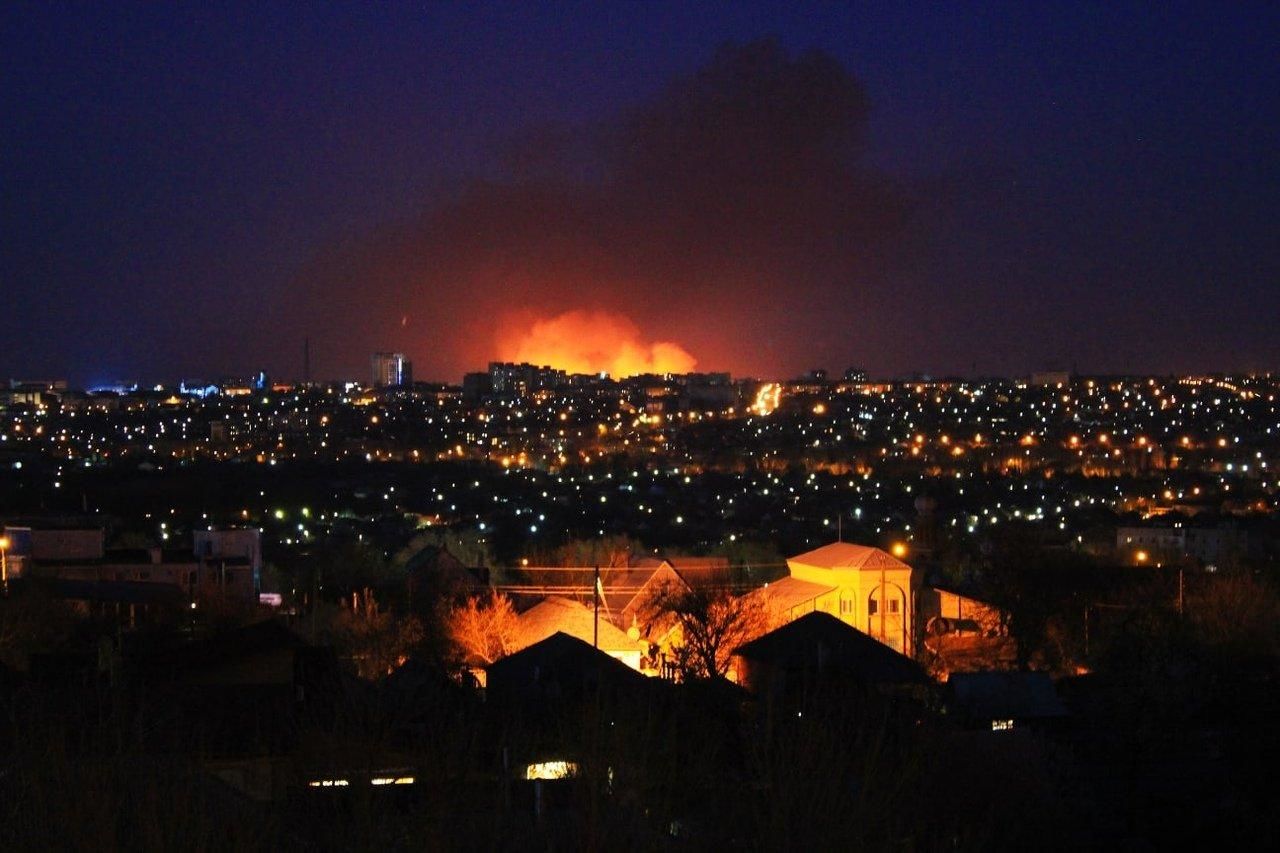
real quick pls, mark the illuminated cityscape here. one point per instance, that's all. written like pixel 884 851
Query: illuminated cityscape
pixel 1070 457
pixel 690 427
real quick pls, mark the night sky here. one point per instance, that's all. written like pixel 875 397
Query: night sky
pixel 188 191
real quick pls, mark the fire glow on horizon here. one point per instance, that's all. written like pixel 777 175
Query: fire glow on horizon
pixel 767 399
pixel 582 341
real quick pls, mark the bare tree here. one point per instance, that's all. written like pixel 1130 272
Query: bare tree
pixel 484 627
pixel 713 622
pixel 1237 614
pixel 373 638
pixel 608 551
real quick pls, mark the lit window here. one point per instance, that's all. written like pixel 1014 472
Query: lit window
pixel 1001 725
pixel 551 770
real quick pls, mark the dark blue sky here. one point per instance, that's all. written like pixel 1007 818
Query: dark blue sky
pixel 190 189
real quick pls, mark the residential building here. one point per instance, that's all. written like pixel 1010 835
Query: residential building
pixel 862 586
pixel 562 615
pixel 818 649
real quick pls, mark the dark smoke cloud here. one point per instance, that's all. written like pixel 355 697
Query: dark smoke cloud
pixel 730 214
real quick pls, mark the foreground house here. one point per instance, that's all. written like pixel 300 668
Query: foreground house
pixel 960 633
pixel 627 590
pixel 818 649
pixel 633 626
pixel 558 615
pixel 948 612
pixel 861 586
pixel 559 669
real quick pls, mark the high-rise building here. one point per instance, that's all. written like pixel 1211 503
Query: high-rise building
pixel 476 386
pixel 391 369
pixel 519 379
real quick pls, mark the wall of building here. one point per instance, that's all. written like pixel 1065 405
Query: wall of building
pixel 79 544
pixel 962 614
pixel 858 596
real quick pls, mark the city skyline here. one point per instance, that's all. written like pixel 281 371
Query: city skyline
pixel 753 189
pixel 217 381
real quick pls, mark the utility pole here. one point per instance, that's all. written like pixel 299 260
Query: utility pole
pixel 883 604
pixel 595 627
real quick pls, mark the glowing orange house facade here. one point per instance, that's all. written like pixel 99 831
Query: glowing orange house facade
pixel 865 587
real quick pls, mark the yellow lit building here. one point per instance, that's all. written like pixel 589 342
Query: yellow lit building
pixel 868 588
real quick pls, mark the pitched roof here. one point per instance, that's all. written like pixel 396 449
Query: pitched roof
pixel 562 615
pixel 683 563
pixel 560 656
pixel 436 563
pixel 846 555
pixel 820 639
pixel 694 571
pixel 788 592
pixel 624 586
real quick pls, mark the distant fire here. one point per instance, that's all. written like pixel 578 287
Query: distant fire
pixel 767 398
pixel 595 342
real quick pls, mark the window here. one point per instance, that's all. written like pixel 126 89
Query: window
pixel 551 770
pixel 872 607
pixel 893 605
pixel 846 606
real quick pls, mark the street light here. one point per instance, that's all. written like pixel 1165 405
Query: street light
pixel 4 563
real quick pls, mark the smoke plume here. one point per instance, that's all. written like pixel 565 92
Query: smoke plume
pixel 729 213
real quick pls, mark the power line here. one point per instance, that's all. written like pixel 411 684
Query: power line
pixel 604 569
pixel 587 589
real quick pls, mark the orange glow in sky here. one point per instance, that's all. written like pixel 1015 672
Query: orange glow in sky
pixel 594 342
